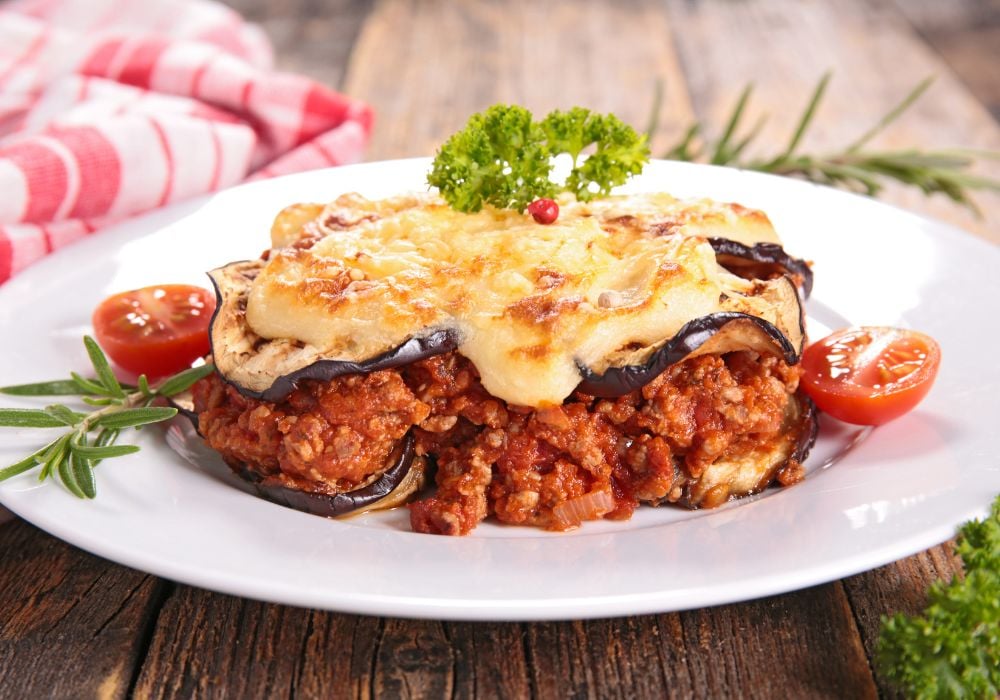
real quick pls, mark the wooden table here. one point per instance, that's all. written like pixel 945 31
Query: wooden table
pixel 74 625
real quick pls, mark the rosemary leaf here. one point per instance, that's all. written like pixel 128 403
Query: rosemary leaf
pixel 807 116
pixel 104 438
pixel 892 115
pixel 133 417
pixel 60 387
pixel 26 464
pixel 107 437
pixel 653 122
pixel 723 153
pixel 64 414
pixel 682 149
pixel 28 418
pixel 82 468
pixel 106 452
pixel 53 456
pixel 944 171
pixel 104 373
pixel 91 401
pixel 738 149
pixel 72 457
pixel 67 475
pixel 83 471
pixel 88 386
pixel 183 381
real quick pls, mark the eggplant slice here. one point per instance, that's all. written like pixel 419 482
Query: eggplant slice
pixel 270 369
pixel 716 333
pixel 752 472
pixel 760 260
pixel 403 476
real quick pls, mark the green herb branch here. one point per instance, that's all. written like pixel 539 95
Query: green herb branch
pixel 73 455
pixel 853 167
pixel 953 649
pixel 504 157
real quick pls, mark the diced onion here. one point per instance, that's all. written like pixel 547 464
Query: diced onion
pixel 589 506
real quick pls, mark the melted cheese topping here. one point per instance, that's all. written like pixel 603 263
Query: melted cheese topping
pixel 530 302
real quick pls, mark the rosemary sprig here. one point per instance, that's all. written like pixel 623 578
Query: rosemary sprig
pixel 73 455
pixel 853 167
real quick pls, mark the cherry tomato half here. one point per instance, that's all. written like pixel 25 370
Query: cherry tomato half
pixel 155 331
pixel 870 375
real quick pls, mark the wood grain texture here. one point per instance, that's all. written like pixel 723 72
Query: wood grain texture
pixel 73 625
pixel 426 66
pixel 210 645
pixel 800 645
pixel 784 46
pixel 311 37
pixel 967 35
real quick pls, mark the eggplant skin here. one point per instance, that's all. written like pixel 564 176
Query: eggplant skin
pixel 437 342
pixel 807 437
pixel 618 381
pixel 733 255
pixel 737 477
pixel 402 472
pixel 400 464
pixel 612 382
pixel 416 348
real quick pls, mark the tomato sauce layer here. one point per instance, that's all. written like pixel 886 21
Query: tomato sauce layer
pixel 550 467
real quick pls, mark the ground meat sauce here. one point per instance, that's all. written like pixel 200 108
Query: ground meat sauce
pixel 334 433
pixel 539 467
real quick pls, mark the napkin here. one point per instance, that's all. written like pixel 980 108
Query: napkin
pixel 109 108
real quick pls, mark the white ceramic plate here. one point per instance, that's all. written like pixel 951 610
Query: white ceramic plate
pixel 868 499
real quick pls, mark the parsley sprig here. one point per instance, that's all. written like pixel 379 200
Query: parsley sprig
pixel 953 649
pixel 504 157
pixel 90 437
pixel 854 167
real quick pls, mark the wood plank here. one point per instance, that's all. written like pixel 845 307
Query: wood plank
pixel 491 660
pixel 426 66
pixel 799 645
pixel 898 587
pixel 208 644
pixel 967 35
pixel 783 46
pixel 804 644
pixel 73 625
pixel 310 37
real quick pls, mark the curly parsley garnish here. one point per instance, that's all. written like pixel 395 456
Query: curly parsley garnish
pixel 503 157
pixel 953 649
pixel 74 454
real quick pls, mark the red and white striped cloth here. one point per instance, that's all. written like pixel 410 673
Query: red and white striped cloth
pixel 109 108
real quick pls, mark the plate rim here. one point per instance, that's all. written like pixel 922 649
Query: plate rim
pixel 476 609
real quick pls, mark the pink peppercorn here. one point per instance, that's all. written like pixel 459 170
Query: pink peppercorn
pixel 544 210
